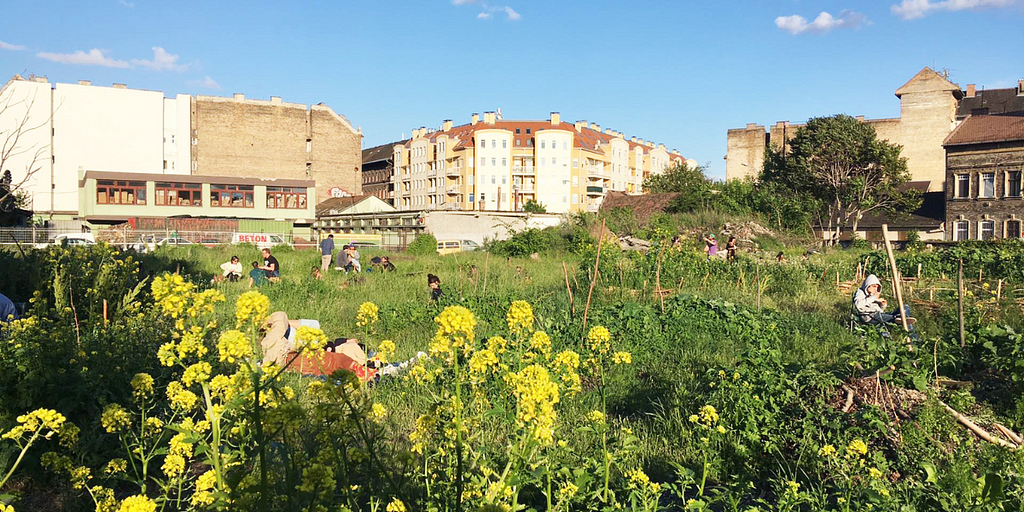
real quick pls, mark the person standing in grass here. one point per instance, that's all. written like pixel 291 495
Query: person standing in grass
pixel 326 253
pixel 730 249
pixel 436 293
pixel 711 246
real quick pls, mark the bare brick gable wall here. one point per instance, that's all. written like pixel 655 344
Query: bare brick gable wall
pixel 268 139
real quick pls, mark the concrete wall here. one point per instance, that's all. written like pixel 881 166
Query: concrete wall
pixel 745 153
pixel 273 139
pixel 926 119
pixel 477 226
pixel 32 150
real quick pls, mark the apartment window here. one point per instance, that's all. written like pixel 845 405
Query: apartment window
pixel 471 178
pixel 471 197
pixel 986 230
pixel 987 184
pixel 483 162
pixel 575 199
pixel 309 145
pixel 494 143
pixel 519 142
pixel 165 165
pixel 527 131
pixel 543 144
pixel 529 142
pixel 233 196
pixel 963 230
pixel 543 161
pixel 564 200
pixel 1012 229
pixel 494 162
pixel 120 192
pixel 963 186
pixel 286 197
pixel 1013 183
pixel 517 131
pixel 494 180
pixel 575 163
pixel 554 160
pixel 503 182
pixel 504 162
pixel 483 197
pixel 483 143
pixel 504 144
pixel 565 144
pixel 178 194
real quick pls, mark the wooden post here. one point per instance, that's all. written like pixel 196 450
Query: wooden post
pixel 979 275
pixel 572 302
pixel 999 290
pixel 487 262
pixel 657 277
pixel 593 280
pixel 919 271
pixel 837 278
pixel 757 276
pixel 960 300
pixel 104 311
pixel 895 275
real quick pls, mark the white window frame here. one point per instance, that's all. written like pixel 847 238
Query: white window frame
pixel 958 193
pixel 981 229
pixel 1006 184
pixel 983 178
pixel 956 230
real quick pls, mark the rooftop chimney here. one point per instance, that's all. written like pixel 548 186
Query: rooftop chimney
pixel 596 127
pixel 661 147
pixel 474 119
pixel 580 125
pixel 556 119
pixel 1020 87
pixel 239 96
pixel 970 90
pixel 120 86
pixel 632 139
pixel 275 100
pixel 489 117
pixel 447 125
pixel 84 82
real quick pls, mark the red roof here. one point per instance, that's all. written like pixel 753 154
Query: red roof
pixel 988 129
pixel 586 138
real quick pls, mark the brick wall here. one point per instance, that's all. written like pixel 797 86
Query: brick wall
pixel 973 161
pixel 268 139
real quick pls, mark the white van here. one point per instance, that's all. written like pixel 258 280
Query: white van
pixel 75 239
pixel 260 240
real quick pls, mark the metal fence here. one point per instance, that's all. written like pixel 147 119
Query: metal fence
pixel 127 238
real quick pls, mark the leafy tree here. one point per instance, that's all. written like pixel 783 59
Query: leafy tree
pixel 532 206
pixel 10 200
pixel 840 163
pixel 692 185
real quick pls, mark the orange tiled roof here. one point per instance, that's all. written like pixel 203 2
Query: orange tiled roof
pixel 986 129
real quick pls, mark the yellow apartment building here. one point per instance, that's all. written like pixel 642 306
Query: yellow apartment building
pixel 499 165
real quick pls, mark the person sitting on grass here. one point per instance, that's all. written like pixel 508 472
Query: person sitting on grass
pixel 869 306
pixel 257 277
pixel 353 259
pixel 232 271
pixel 386 264
pixel 270 266
pixel 434 283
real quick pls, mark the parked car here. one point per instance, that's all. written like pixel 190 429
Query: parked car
pixel 210 242
pixel 174 241
pixel 72 239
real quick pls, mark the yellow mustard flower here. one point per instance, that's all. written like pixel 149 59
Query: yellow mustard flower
pixel 36 421
pixel 114 418
pixel 142 386
pixel 197 373
pixel 378 412
pixel 396 505
pixel 386 350
pixel 233 346
pixel 857 447
pixel 180 397
pixel 367 314
pixel 599 339
pixel 622 358
pixel 520 317
pixel 251 308
pixel 137 503
pixel 596 417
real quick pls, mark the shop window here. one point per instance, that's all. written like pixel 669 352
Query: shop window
pixel 120 192
pixel 286 197
pixel 232 196
pixel 179 194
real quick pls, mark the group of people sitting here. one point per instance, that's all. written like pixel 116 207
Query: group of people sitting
pixel 348 259
pixel 269 271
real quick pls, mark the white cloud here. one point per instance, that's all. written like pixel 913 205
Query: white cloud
pixel 205 83
pixel 130 5
pixel 94 57
pixel 462 2
pixel 161 61
pixel 489 10
pixel 911 9
pixel 9 46
pixel 824 23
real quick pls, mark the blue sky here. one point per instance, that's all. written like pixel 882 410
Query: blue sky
pixel 677 72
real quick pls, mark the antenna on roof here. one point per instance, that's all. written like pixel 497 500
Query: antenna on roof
pixel 498 114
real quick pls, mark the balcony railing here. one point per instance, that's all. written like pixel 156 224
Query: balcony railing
pixel 593 207
pixel 524 188
pixel 595 191
pixel 432 172
pixel 454 171
pixel 522 169
pixel 431 190
pixel 454 189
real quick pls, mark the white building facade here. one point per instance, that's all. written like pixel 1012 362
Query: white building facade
pixel 55 132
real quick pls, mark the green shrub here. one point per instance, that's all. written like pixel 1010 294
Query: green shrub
pixel 423 245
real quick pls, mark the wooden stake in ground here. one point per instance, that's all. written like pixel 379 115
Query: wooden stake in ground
pixel 757 277
pixel 895 275
pixel 104 311
pixel 487 261
pixel 960 299
pixel 657 277
pixel 593 280
pixel 572 302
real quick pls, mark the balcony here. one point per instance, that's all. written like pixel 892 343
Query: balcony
pixel 454 171
pixel 432 172
pixel 595 191
pixel 525 169
pixel 391 194
pixel 593 208
pixel 453 190
pixel 431 190
pixel 527 188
